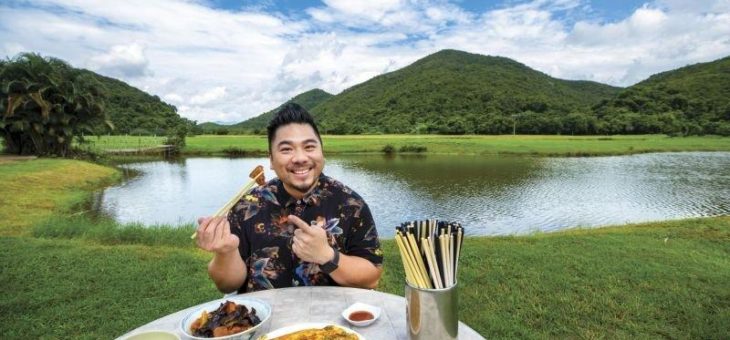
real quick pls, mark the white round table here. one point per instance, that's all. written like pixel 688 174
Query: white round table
pixel 321 304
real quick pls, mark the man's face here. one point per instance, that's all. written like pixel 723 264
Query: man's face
pixel 296 157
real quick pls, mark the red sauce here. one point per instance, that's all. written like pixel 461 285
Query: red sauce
pixel 361 315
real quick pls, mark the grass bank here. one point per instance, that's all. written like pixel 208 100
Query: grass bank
pixel 32 191
pixel 67 276
pixel 438 144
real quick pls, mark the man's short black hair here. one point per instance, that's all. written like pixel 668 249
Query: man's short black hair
pixel 289 114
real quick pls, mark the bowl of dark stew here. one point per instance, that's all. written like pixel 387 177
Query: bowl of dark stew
pixel 237 317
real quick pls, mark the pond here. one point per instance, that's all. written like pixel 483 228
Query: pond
pixel 489 195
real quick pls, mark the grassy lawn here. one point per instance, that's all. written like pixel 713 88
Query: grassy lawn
pixel 506 144
pixel 34 191
pixel 124 142
pixel 67 276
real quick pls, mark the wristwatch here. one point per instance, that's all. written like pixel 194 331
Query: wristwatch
pixel 331 265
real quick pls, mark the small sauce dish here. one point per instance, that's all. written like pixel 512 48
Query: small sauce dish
pixel 361 314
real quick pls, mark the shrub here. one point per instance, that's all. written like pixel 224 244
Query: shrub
pixel 413 148
pixel 389 149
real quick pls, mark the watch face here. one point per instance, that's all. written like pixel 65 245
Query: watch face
pixel 328 267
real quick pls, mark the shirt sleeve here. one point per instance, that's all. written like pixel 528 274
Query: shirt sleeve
pixel 363 239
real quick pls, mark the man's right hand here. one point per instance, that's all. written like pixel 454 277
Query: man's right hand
pixel 214 235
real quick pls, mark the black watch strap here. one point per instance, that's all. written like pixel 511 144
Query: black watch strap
pixel 330 266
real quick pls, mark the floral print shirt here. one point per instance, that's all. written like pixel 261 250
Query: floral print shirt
pixel 259 220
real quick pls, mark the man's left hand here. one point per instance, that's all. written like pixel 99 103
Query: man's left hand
pixel 310 242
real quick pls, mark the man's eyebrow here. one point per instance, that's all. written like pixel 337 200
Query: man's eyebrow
pixel 306 141
pixel 284 142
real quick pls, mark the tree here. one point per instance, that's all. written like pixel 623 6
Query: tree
pixel 575 123
pixel 46 104
pixel 453 126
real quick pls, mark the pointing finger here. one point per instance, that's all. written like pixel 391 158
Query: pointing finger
pixel 299 223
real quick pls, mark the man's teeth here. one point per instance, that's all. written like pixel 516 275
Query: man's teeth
pixel 299 172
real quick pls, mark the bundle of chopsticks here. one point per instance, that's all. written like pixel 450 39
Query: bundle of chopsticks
pixel 430 252
pixel 256 178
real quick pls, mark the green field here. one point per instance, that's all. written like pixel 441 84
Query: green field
pixel 439 144
pixel 66 275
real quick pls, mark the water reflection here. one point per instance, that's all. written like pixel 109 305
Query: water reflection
pixel 489 195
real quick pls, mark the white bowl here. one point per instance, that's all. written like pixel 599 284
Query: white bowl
pixel 153 335
pixel 359 306
pixel 263 311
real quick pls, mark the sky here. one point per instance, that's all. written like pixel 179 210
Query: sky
pixel 230 60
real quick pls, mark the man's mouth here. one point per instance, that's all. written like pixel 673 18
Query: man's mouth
pixel 301 171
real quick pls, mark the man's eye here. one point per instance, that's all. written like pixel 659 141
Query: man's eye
pixel 310 147
pixel 285 150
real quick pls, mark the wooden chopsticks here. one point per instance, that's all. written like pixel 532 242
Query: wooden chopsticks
pixel 430 251
pixel 257 178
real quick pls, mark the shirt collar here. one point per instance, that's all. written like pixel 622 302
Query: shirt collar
pixel 309 198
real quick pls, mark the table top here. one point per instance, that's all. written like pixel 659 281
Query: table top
pixel 321 304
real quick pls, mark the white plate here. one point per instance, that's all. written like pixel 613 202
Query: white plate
pixel 263 311
pixel 301 326
pixel 359 306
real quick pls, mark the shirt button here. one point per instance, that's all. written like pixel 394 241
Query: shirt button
pixel 299 202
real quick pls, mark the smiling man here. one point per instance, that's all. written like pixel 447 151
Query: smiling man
pixel 300 229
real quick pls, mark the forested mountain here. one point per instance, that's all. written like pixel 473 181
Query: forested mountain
pixel 454 92
pixel 308 100
pixel 457 92
pixel 691 100
pixel 133 111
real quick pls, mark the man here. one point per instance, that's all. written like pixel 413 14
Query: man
pixel 300 229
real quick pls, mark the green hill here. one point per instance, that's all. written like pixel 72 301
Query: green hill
pixel 690 100
pixel 308 100
pixel 457 92
pixel 133 111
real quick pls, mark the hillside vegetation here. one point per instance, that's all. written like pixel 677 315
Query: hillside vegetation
pixel 135 112
pixel 454 92
pixel 308 100
pixel 690 100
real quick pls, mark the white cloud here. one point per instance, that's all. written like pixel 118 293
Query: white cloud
pixel 644 24
pixel 126 61
pixel 230 65
pixel 13 48
pixel 211 95
pixel 173 98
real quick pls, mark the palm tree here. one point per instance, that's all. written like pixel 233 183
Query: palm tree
pixel 46 104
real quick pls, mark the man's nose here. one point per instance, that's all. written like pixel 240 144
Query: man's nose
pixel 299 156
